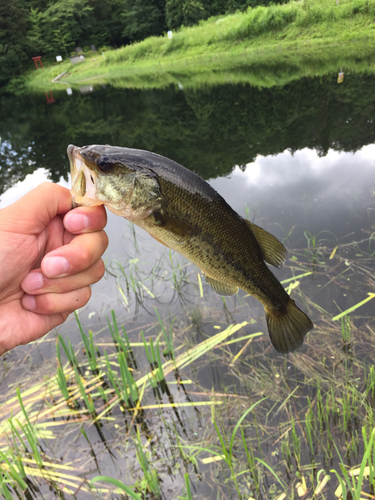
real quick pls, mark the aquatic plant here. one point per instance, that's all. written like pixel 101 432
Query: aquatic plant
pixel 263 426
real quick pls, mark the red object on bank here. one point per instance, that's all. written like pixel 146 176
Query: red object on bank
pixel 50 99
pixel 37 60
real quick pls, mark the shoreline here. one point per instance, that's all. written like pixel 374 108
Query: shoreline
pixel 302 40
pixel 276 65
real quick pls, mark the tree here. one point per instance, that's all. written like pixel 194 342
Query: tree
pixel 13 42
pixel 62 24
pixel 184 12
pixel 105 24
pixel 35 33
pixel 143 18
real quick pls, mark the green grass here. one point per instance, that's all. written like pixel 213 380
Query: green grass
pixel 280 43
pixel 86 394
pixel 263 426
pixel 287 22
pixel 188 397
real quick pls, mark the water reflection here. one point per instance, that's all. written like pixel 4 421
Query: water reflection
pixel 206 129
pixel 304 190
pixel 295 196
pixel 296 161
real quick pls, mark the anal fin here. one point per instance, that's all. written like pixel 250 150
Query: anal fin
pixel 221 288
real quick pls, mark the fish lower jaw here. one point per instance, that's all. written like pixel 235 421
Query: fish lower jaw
pixel 85 201
pixel 129 213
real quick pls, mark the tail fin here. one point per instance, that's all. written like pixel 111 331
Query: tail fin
pixel 288 331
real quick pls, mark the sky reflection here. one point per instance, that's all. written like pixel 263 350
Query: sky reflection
pixel 288 189
pixel 330 197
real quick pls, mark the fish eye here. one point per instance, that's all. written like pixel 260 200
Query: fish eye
pixel 105 165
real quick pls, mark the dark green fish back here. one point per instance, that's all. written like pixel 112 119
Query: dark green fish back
pixel 190 217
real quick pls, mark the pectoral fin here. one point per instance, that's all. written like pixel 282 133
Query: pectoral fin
pixel 160 241
pixel 221 288
pixel 171 231
pixel 273 250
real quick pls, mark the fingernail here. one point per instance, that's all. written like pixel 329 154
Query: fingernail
pixel 28 302
pixel 76 222
pixel 54 267
pixel 33 282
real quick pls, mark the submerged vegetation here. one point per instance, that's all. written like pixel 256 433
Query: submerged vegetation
pixel 179 394
pixel 134 412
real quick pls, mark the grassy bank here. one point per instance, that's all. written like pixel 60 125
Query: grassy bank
pixel 304 35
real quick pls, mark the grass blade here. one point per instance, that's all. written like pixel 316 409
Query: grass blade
pixel 118 484
pixel 353 308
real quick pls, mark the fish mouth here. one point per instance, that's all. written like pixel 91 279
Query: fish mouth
pixel 84 180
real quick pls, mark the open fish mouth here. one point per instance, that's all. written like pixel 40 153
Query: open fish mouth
pixel 84 180
pixel 182 211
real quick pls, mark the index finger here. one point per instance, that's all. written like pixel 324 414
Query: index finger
pixel 85 219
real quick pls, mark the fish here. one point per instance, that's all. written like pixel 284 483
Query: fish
pixel 183 212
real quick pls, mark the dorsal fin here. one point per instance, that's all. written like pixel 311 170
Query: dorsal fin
pixel 273 251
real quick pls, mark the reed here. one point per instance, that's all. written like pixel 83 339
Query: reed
pixel 268 427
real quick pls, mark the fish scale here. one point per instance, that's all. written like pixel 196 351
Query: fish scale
pixel 225 247
pixel 182 211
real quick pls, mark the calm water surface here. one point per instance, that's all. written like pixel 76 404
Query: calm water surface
pixel 298 160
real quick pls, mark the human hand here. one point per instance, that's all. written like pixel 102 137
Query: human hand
pixel 49 255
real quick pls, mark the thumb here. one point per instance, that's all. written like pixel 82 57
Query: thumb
pixel 34 211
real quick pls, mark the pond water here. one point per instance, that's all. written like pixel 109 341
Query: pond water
pixel 298 160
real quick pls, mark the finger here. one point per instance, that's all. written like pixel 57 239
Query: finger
pixel 42 324
pixel 36 283
pixel 55 235
pixel 56 303
pixel 37 326
pixel 85 219
pixel 79 255
pixel 33 212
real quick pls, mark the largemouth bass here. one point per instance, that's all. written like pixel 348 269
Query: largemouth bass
pixel 182 211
